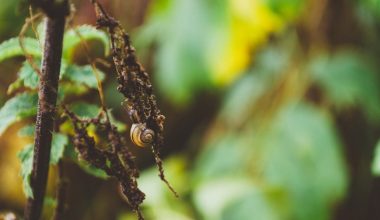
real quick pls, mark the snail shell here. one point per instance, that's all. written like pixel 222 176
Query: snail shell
pixel 141 135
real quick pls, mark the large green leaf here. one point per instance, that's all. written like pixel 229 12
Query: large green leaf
pixel 349 80
pixel 83 75
pixel 17 108
pixel 74 37
pixel 11 48
pixel 298 154
pixel 301 154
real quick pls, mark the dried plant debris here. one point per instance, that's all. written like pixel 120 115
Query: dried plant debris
pixel 115 158
pixel 134 84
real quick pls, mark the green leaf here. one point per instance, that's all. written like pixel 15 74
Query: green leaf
pixel 181 43
pixel 27 131
pixel 11 48
pixel 161 202
pixel 85 110
pixel 29 75
pixel 58 147
pixel 348 80
pixel 292 155
pixel 70 89
pixel 242 208
pixel 302 155
pixel 83 75
pixel 26 158
pixel 213 196
pixel 86 32
pixel 17 108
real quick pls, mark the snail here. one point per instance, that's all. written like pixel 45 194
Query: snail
pixel 141 135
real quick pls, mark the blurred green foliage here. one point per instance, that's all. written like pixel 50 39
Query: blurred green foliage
pixel 11 16
pixel 354 72
pixel 264 157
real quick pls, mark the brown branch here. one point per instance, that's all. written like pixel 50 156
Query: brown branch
pixel 47 98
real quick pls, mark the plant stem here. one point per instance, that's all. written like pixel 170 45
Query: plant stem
pixel 47 97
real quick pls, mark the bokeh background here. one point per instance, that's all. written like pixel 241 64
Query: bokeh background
pixel 272 111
